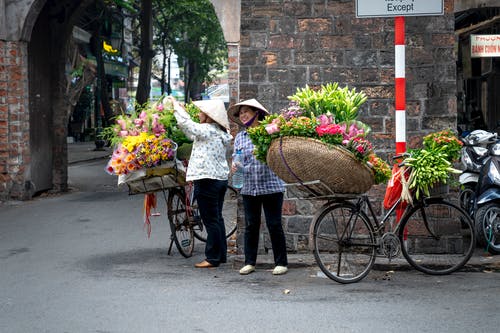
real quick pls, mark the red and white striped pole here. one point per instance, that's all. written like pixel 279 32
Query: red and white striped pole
pixel 400 84
pixel 400 91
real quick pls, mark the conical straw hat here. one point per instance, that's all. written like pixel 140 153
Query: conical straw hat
pixel 234 110
pixel 215 109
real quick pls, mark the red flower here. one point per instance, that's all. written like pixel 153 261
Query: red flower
pixel 331 129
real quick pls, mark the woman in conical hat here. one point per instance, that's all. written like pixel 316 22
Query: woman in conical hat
pixel 209 170
pixel 260 111
pixel 262 190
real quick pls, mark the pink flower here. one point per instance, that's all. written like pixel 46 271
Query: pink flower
pixel 122 123
pixel 354 131
pixel 138 122
pixel 157 127
pixel 325 120
pixel 123 133
pixel 272 128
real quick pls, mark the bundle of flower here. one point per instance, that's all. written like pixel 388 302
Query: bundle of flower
pixel 141 151
pixel 431 165
pixel 327 115
pixel 145 139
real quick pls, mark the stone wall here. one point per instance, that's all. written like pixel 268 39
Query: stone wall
pixel 3 29
pixel 14 121
pixel 287 44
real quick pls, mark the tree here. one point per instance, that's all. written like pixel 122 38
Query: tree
pixel 192 30
pixel 64 15
pixel 146 52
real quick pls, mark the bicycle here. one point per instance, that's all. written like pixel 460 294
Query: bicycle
pixel 434 235
pixel 184 218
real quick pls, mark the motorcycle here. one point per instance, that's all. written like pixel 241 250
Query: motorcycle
pixel 474 153
pixel 487 203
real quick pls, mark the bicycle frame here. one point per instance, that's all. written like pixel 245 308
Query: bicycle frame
pixel 378 225
pixel 188 200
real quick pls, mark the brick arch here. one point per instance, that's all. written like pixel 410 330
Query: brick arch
pixel 48 107
pixel 228 13
pixel 31 18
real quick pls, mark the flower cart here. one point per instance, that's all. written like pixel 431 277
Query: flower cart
pixel 145 160
pixel 317 139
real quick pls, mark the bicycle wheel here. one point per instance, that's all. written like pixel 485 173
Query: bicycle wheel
pixel 181 229
pixel 488 227
pixel 228 213
pixel 437 237
pixel 344 243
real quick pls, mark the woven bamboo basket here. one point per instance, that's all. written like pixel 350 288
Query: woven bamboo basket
pixel 301 159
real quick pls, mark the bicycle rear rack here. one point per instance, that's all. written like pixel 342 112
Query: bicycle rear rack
pixel 315 190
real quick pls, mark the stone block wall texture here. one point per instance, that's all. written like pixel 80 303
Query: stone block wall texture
pixel 14 121
pixel 233 58
pixel 287 44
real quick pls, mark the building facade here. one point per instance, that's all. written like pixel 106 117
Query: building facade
pixel 274 48
pixel 34 37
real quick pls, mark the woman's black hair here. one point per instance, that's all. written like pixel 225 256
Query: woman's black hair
pixel 262 114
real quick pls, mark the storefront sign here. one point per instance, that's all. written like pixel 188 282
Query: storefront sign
pixel 391 8
pixel 484 46
pixel 115 68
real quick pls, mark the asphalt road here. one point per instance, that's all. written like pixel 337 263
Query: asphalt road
pixel 82 262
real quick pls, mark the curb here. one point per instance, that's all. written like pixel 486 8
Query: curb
pixel 477 263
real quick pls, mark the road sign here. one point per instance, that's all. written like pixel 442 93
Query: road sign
pixel 392 8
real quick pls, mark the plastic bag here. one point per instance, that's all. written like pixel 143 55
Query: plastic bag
pixel 394 187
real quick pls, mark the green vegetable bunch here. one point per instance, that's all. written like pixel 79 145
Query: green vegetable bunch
pixel 444 141
pixel 428 167
pixel 342 103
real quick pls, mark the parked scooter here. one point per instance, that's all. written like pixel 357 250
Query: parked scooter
pixel 474 153
pixel 487 203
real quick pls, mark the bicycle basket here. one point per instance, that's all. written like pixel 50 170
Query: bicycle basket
pixel 300 159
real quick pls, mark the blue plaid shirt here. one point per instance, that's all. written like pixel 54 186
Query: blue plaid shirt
pixel 259 178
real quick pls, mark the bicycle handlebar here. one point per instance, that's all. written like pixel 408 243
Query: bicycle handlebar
pixel 399 156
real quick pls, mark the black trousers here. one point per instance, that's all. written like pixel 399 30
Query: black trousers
pixel 272 205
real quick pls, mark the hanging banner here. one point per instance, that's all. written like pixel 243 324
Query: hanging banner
pixel 391 8
pixel 482 46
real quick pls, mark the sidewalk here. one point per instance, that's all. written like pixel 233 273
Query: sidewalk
pixel 86 151
pixel 480 261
